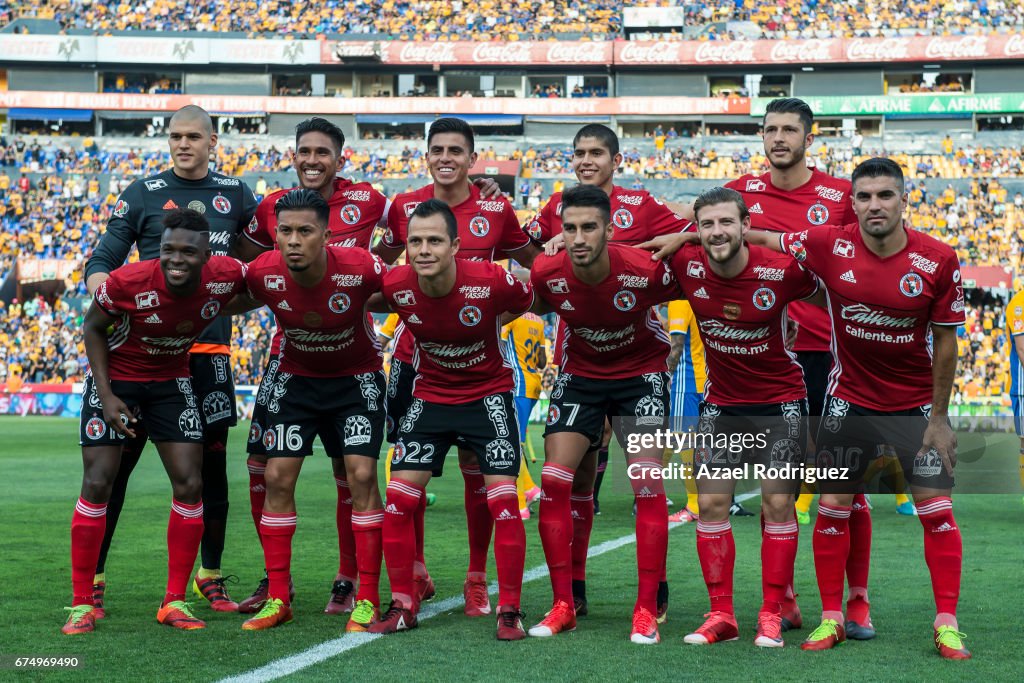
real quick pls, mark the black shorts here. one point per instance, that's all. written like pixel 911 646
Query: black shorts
pixel 771 435
pixel 851 437
pixel 166 409
pixel 347 413
pixel 487 426
pixel 581 404
pixel 215 388
pixel 400 381
pixel 259 409
pixel 816 365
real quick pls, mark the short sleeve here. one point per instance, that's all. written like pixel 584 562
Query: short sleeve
pixel 513 236
pixel 108 295
pixel 394 236
pixel 513 295
pixel 261 228
pixel 661 220
pixel 1015 315
pixel 679 315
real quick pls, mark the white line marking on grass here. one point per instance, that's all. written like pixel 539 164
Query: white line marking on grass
pixel 332 648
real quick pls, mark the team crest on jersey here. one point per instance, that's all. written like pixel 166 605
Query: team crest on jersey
pixel 198 206
pixel 95 428
pixel 624 300
pixel 764 299
pixel 210 310
pixel 148 299
pixel 350 214
pixel 479 226
pixel 470 316
pixel 623 219
pixel 269 439
pixel 221 204
pixel 911 285
pixel 798 251
pixel 554 413
pixel 255 432
pixel 121 208
pixel 339 302
pixel 274 283
pixel 817 214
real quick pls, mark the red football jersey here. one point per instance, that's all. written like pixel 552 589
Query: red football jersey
pixel 612 332
pixel 151 340
pixel 327 332
pixel 356 209
pixel 636 215
pixel 486 226
pixel 742 323
pixel 822 199
pixel 459 355
pixel 881 310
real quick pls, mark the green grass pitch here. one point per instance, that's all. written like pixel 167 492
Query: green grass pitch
pixel 41 466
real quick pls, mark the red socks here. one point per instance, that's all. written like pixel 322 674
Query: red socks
pixel 943 551
pixel 184 532
pixel 582 508
pixel 831 549
pixel 716 550
pixel 478 520
pixel 399 539
pixel 859 561
pixel 277 530
pixel 556 528
pixel 366 527
pixel 347 553
pixel 509 542
pixel 420 566
pixel 778 554
pixel 88 524
pixel 257 490
pixel 651 533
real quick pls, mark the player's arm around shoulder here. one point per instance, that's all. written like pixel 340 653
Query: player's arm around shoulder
pixel 122 232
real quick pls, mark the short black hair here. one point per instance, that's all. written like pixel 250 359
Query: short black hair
pixel 791 105
pixel 449 124
pixel 603 134
pixel 185 219
pixel 301 199
pixel 588 196
pixel 433 207
pixel 318 124
pixel 879 167
pixel 720 195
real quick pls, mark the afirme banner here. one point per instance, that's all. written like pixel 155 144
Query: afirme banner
pixel 187 50
pixel 931 104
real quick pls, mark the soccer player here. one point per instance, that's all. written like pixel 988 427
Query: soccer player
pixel 791 197
pixel 329 384
pixel 463 390
pixel 1015 334
pixel 355 210
pixel 636 217
pixel 895 300
pixel 614 366
pixel 689 374
pixel 739 296
pixel 228 205
pixel 486 227
pixel 139 377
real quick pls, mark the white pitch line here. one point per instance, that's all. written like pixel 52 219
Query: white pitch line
pixel 332 648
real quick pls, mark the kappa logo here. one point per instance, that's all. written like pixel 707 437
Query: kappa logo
pixel 339 302
pixel 221 204
pixel 848 276
pixel 756 186
pixel 817 214
pixel 153 320
pixel 566 306
pixel 148 299
pixel 695 269
pixel 701 294
pixel 623 219
pixel 350 214
pixel 274 283
pixel 470 316
pixel 558 286
pixel 284 305
pixel 157 184
pixel 479 226
pixel 843 248
pixel 624 300
pixel 210 310
pixel 404 298
pixel 756 208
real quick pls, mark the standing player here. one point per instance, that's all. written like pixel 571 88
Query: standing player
pixel 895 300
pixel 329 384
pixel 1015 336
pixel 139 376
pixel 228 205
pixel 689 374
pixel 615 351
pixel 463 389
pixel 486 227
pixel 739 296
pixel 636 217
pixel 791 197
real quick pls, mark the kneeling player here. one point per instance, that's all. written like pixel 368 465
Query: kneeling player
pixel 615 365
pixel 463 389
pixel 739 296
pixel 140 372
pixel 330 384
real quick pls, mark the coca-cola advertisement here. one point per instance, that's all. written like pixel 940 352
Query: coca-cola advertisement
pixel 469 53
